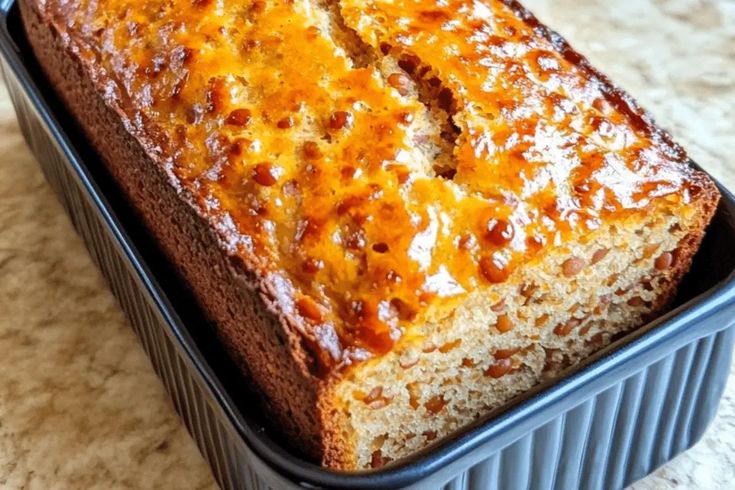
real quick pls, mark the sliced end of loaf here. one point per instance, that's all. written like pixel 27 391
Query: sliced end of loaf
pixel 501 341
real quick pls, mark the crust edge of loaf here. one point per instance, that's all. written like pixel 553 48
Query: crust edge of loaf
pixel 292 399
pixel 707 206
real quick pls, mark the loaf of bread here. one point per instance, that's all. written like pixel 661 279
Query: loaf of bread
pixel 398 214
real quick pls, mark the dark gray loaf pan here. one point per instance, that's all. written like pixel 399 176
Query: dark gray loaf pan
pixel 611 421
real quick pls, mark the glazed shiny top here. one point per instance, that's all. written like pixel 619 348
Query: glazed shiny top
pixel 275 120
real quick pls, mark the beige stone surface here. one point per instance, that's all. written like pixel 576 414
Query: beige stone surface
pixel 80 406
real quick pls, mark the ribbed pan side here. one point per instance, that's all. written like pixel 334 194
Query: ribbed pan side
pixel 620 435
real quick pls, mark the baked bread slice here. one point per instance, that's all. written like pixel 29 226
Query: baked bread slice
pixel 398 214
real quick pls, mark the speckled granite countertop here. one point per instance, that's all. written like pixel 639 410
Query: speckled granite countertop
pixel 80 406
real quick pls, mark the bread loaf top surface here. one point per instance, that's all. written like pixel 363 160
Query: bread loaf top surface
pixel 370 162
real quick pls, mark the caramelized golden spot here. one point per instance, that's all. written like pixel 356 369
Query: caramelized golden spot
pixel 238 117
pixel 573 266
pixel 494 269
pixel 500 232
pixel 435 404
pixel 312 151
pixel 414 395
pixel 499 368
pixel 664 261
pixel 504 324
pixel 649 250
pixel 375 394
pixel 450 346
pixel 430 435
pixel 469 363
pixel 309 309
pixel 264 174
pixel 565 329
pixel 636 301
pixel 599 255
pixel 400 82
pixel 505 353
pixel 340 120
pixel 541 321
